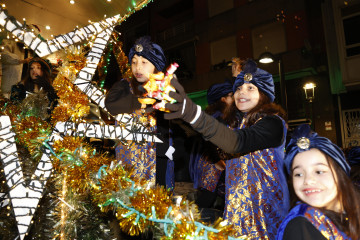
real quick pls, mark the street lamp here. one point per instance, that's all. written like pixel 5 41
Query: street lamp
pixel 268 57
pixel 309 89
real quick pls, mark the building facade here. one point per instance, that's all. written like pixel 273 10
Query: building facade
pixel 311 41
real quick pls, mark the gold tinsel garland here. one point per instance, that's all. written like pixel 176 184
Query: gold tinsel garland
pixel 73 103
pixel 79 160
pixel 121 58
pixel 31 132
pixel 138 206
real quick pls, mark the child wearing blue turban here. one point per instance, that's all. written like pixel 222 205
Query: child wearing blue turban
pixel 206 160
pixel 256 192
pixel 328 204
pixel 148 160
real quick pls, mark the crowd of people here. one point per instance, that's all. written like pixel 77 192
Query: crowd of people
pixel 307 191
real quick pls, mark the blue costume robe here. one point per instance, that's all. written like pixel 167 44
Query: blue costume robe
pixel 140 157
pixel 257 197
pixel 203 172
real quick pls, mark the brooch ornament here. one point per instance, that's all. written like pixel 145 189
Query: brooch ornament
pixel 139 48
pixel 248 77
pixel 303 143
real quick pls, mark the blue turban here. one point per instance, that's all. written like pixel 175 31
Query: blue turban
pixel 303 139
pixel 218 90
pixel 260 78
pixel 353 156
pixel 145 48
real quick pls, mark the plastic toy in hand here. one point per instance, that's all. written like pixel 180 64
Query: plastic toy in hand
pixel 158 88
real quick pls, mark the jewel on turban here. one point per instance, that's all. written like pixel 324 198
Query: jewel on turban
pixel 303 139
pixel 145 48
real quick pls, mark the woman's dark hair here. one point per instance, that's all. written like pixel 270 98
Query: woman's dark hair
pixel 350 199
pixel 348 195
pixel 262 109
pixel 231 115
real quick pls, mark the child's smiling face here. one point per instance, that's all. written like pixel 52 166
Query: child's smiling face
pixel 313 180
pixel 246 97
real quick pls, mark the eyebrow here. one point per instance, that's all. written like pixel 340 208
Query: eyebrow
pixel 317 164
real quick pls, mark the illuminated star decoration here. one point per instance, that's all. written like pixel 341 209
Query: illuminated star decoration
pixel 25 198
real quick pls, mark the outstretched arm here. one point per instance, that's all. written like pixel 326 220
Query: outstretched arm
pixel 266 133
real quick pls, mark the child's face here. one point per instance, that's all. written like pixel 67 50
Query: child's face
pixel 35 70
pixel 235 69
pixel 246 97
pixel 313 181
pixel 141 68
pixel 228 99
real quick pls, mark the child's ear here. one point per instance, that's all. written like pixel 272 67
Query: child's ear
pixel 223 99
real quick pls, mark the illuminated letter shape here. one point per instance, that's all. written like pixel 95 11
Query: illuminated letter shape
pixel 24 198
pixel 107 131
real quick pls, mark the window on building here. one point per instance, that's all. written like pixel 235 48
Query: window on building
pixel 351 25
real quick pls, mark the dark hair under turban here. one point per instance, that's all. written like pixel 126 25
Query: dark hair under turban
pixel 151 51
pixel 303 139
pixel 218 90
pixel 260 78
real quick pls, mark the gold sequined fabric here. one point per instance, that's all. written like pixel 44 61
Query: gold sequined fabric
pixel 256 196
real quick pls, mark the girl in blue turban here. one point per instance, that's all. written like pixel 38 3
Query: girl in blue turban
pixel 206 160
pixel 256 192
pixel 328 204
pixel 148 160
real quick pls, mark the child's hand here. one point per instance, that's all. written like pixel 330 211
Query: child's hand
pixel 184 108
pixel 220 165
